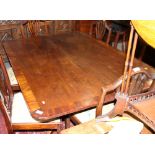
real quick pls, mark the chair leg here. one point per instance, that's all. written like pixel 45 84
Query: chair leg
pixel 108 38
pixel 142 52
pixel 12 36
pixel 46 29
pixel 91 30
pixel 116 39
pixel 22 32
pixel 75 120
pixel 124 43
pixel 67 122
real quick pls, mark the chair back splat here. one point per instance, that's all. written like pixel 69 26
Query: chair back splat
pixel 5 87
pixel 34 28
pixel 111 33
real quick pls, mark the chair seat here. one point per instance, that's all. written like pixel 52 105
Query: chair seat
pixel 125 125
pixel 20 112
pixel 117 125
pixel 11 74
pixel 88 115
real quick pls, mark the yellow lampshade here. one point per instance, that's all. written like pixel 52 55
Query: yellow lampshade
pixel 146 29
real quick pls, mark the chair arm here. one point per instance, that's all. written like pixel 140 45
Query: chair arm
pixel 106 90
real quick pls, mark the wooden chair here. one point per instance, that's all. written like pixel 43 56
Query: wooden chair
pixel 5 27
pixel 7 127
pixel 106 31
pixel 61 26
pixel 137 101
pixel 12 78
pixel 116 33
pixel 17 110
pixel 141 81
pixel 7 30
pixel 97 29
pixel 33 28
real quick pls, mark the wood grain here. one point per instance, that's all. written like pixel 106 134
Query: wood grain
pixel 64 73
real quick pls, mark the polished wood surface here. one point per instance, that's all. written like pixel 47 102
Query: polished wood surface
pixel 63 73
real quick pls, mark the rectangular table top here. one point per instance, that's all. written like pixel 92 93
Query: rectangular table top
pixel 63 73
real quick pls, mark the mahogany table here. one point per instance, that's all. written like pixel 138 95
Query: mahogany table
pixel 62 74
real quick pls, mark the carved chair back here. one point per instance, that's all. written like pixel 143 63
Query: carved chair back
pixel 97 29
pixel 33 28
pixel 141 81
pixel 104 30
pixel 6 98
pixel 100 29
pixel 6 92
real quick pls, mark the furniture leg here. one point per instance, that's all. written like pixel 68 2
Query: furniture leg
pixel 108 38
pixel 75 120
pixel 67 122
pixel 116 40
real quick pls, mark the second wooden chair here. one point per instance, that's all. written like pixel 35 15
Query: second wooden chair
pixel 33 28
